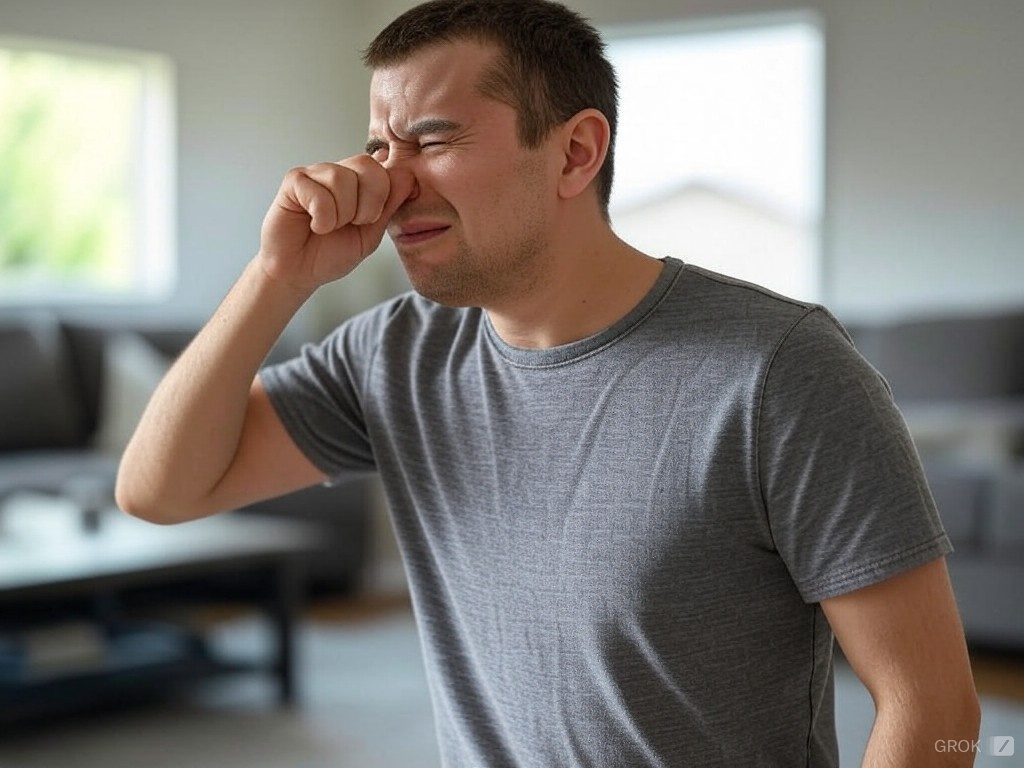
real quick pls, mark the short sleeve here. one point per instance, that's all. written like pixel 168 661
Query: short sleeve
pixel 846 497
pixel 319 394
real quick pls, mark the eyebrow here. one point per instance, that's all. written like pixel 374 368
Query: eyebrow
pixel 422 128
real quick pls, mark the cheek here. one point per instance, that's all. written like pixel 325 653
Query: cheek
pixel 486 190
pixel 468 188
pixel 443 176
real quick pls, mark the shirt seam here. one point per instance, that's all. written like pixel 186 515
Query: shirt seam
pixel 810 686
pixel 808 311
pixel 838 583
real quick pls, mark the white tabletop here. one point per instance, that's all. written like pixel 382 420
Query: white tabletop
pixel 42 542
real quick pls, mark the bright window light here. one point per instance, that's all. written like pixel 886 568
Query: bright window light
pixel 718 154
pixel 86 174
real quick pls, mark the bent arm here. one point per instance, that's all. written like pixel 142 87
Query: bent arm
pixel 209 439
pixel 904 640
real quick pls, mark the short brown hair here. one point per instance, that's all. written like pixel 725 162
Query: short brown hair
pixel 551 63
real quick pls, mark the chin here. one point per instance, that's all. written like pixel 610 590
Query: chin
pixel 434 282
pixel 443 294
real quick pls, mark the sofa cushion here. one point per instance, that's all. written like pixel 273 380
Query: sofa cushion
pixel 950 358
pixel 1006 526
pixel 960 493
pixel 39 405
pixel 90 355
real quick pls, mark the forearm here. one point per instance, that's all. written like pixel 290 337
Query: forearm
pixel 208 441
pixel 190 431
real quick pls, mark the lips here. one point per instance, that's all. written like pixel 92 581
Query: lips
pixel 414 232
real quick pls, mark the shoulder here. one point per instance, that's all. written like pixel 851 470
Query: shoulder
pixel 737 302
pixel 403 323
pixel 747 322
pixel 396 336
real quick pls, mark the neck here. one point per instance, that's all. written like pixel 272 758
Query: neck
pixel 584 289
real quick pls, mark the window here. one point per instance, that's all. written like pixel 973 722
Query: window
pixel 718 153
pixel 86 180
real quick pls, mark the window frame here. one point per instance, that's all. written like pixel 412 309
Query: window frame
pixel 152 244
pixel 712 25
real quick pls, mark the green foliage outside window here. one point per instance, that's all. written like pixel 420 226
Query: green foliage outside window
pixel 67 140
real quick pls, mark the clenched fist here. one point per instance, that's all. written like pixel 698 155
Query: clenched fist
pixel 328 217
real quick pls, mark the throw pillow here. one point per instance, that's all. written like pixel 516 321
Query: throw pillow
pixel 132 369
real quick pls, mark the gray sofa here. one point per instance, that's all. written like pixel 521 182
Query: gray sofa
pixel 959 381
pixel 59 400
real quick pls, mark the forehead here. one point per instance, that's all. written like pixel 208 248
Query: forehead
pixel 441 78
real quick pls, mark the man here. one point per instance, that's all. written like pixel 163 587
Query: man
pixel 636 499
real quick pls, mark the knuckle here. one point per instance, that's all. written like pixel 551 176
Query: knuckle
pixel 362 160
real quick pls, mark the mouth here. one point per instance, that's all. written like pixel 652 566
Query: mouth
pixel 416 233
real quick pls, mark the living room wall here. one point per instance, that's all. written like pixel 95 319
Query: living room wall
pixel 924 173
pixel 924 114
pixel 261 86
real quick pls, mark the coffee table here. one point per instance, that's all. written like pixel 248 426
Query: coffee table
pixel 42 564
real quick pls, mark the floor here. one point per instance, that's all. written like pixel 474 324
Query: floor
pixel 365 705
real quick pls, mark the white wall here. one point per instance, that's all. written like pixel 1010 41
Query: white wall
pixel 262 86
pixel 924 187
pixel 924 166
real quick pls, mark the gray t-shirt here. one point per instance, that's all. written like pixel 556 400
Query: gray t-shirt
pixel 616 547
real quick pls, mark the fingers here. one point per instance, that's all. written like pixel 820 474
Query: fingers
pixel 401 186
pixel 403 183
pixel 334 195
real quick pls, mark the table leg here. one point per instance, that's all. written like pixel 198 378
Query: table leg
pixel 285 609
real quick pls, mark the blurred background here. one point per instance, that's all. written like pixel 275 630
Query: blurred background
pixel 906 128
pixel 863 155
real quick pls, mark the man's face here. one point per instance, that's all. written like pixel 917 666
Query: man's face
pixel 476 228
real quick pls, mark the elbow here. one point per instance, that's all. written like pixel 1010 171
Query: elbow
pixel 971 711
pixel 134 497
pixel 133 505
pixel 915 723
pixel 953 718
pixel 961 707
pixel 962 715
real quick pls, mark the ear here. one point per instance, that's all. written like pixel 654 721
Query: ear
pixel 585 138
